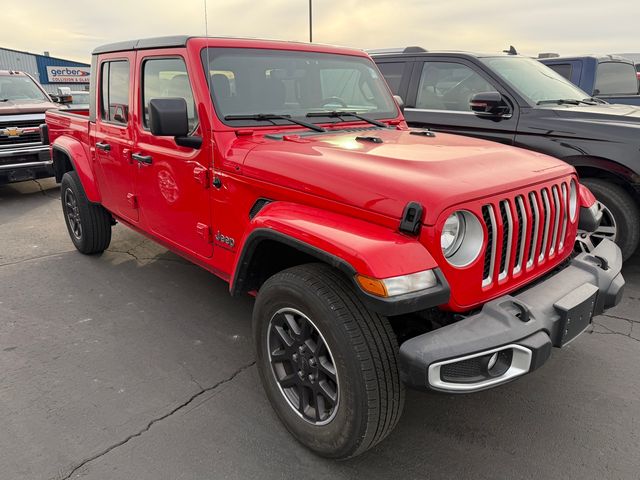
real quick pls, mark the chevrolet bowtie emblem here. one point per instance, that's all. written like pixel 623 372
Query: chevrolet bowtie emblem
pixel 11 132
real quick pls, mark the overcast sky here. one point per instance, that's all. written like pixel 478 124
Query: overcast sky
pixel 565 26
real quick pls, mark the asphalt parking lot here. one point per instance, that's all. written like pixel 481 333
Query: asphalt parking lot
pixel 138 365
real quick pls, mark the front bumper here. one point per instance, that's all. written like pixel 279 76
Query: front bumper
pixel 515 333
pixel 25 163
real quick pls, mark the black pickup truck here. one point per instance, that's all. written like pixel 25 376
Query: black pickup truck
pixel 518 101
pixel 610 77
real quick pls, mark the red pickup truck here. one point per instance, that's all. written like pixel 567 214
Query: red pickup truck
pixel 379 256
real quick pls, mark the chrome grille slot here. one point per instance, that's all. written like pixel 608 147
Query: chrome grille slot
pixel 546 205
pixel 522 231
pixel 507 238
pixel 490 250
pixel 556 219
pixel 535 225
pixel 565 215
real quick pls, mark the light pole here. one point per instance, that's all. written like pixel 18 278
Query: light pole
pixel 310 22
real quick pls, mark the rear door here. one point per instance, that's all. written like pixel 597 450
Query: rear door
pixel 114 134
pixel 439 94
pixel 172 181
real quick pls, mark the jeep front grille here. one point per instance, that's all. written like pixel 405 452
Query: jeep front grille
pixel 524 231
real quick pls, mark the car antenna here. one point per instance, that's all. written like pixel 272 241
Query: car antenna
pixel 512 50
pixel 206 34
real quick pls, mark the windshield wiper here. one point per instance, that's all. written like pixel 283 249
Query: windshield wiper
pixel 565 101
pixel 597 100
pixel 4 99
pixel 273 116
pixel 339 114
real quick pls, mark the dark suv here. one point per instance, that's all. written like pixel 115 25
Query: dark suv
pixel 519 101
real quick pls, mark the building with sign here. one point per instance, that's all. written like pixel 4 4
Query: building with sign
pixel 50 71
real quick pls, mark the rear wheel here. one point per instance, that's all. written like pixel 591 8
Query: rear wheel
pixel 328 365
pixel 620 218
pixel 89 224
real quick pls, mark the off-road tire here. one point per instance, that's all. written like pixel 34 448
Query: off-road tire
pixel 364 351
pixel 624 210
pixel 95 221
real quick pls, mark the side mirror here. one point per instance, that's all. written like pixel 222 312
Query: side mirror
pixel 168 117
pixel 62 99
pixel 400 102
pixel 489 105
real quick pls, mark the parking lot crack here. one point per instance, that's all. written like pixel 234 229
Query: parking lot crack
pixel 35 258
pixel 141 432
pixel 620 318
pixel 43 191
pixel 610 331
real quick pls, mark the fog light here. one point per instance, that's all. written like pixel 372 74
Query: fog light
pixel 492 361
pixel 498 363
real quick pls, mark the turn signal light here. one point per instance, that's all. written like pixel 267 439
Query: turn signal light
pixel 372 285
pixel 394 286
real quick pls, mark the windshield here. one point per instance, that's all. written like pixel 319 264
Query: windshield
pixel 533 80
pixel 287 83
pixel 616 78
pixel 19 88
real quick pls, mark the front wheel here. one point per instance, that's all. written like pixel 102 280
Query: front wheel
pixel 89 224
pixel 620 218
pixel 328 365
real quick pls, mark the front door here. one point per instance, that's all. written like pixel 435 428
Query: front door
pixel 439 99
pixel 113 135
pixel 172 181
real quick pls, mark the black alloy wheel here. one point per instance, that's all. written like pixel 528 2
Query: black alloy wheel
pixel 303 366
pixel 73 213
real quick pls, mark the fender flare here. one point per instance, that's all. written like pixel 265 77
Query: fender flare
pixel 348 244
pixel 611 166
pixel 76 153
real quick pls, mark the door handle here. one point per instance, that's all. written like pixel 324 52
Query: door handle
pixel 146 159
pixel 103 146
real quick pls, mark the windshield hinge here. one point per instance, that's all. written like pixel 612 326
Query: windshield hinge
pixel 411 218
pixel 202 176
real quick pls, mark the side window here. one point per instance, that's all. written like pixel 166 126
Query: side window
pixel 616 78
pixel 114 92
pixel 167 78
pixel 392 73
pixel 449 86
pixel 563 69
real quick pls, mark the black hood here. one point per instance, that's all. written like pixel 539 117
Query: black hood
pixel 601 112
pixel 608 122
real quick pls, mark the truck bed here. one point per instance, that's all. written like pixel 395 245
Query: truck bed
pixel 72 124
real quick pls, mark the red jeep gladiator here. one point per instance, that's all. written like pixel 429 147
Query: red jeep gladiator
pixel 379 256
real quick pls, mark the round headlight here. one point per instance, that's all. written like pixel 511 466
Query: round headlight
pixel 452 234
pixel 461 238
pixel 573 200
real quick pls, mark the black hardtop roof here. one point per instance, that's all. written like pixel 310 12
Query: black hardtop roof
pixel 181 41
pixel 144 43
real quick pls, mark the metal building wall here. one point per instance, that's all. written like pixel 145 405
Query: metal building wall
pixel 29 62
pixel 24 62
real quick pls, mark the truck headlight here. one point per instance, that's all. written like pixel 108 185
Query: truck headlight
pixel 461 238
pixel 394 286
pixel 452 234
pixel 573 200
